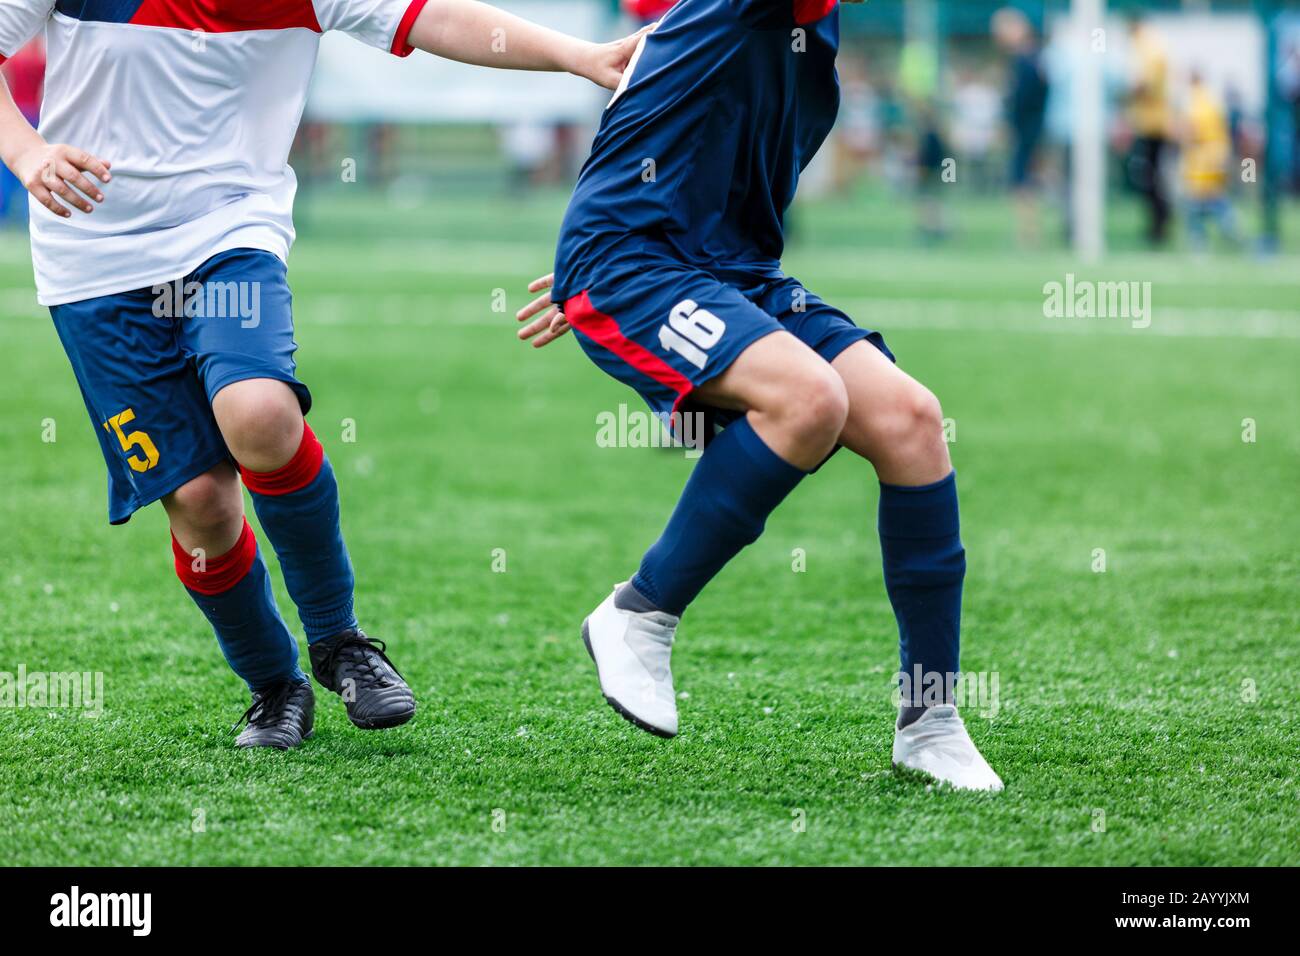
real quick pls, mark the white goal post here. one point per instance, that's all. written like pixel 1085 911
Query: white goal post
pixel 1087 37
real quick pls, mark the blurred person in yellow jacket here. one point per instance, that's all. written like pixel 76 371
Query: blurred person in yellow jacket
pixel 1207 156
pixel 1151 119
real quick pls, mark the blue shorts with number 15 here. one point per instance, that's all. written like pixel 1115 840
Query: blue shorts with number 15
pixel 150 361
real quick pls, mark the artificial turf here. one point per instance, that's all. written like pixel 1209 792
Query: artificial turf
pixel 1145 714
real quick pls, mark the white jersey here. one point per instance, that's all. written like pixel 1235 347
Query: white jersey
pixel 195 103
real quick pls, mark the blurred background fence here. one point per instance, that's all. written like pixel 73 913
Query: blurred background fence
pixel 924 82
pixel 1196 125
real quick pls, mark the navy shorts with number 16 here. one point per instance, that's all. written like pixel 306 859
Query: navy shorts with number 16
pixel 666 328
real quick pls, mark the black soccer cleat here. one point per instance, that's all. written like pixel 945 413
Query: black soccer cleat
pixel 281 716
pixel 357 669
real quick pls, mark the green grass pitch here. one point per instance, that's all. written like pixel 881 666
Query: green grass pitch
pixel 1147 713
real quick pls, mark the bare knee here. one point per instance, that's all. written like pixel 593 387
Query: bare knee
pixel 207 511
pixel 921 414
pixel 795 400
pixel 817 404
pixel 906 437
pixel 803 419
pixel 261 422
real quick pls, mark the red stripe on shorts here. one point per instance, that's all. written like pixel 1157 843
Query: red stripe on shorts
pixel 596 325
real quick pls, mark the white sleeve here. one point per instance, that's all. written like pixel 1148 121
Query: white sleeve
pixel 379 23
pixel 20 20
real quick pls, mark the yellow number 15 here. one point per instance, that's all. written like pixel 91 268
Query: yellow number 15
pixel 133 440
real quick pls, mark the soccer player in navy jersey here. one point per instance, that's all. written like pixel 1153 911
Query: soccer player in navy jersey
pixel 668 269
pixel 171 122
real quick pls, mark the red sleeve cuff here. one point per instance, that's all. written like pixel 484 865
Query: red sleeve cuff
pixel 400 47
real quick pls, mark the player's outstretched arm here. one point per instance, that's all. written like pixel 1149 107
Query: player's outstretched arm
pixel 47 171
pixel 550 323
pixel 476 33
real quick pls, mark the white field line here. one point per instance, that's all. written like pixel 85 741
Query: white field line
pixel 956 315
pixel 428 310
pixel 505 258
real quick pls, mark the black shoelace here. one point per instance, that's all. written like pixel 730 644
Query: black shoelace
pixel 267 705
pixel 362 652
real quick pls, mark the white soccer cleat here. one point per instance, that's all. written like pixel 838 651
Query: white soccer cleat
pixel 632 650
pixel 936 744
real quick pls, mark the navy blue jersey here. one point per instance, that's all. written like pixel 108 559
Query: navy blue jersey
pixel 697 159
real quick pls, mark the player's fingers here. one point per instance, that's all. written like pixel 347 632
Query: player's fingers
pixel 551 334
pixel 626 46
pixel 532 328
pixel 49 202
pixel 51 181
pixel 545 282
pixel 544 340
pixel 91 164
pixel 73 177
pixel 70 196
pixel 539 304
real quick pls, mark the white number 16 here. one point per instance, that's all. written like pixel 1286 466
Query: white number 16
pixel 691 331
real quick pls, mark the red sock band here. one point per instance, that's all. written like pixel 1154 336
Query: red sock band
pixel 219 574
pixel 300 471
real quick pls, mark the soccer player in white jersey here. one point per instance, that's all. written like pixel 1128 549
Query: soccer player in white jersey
pixel 160 224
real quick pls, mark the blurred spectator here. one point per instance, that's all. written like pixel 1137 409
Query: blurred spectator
pixel 540 154
pixel 1289 83
pixel 647 11
pixel 1237 133
pixel 858 141
pixel 918 71
pixel 1026 102
pixel 528 147
pixel 1151 119
pixel 931 154
pixel 1207 156
pixel 977 112
pixel 25 74
pixel 1060 62
pixel 895 139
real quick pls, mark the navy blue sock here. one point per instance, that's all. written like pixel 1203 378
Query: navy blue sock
pixel 737 483
pixel 234 593
pixel 924 563
pixel 298 506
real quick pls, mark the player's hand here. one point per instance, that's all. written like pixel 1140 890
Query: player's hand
pixel 57 170
pixel 607 61
pixel 549 324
